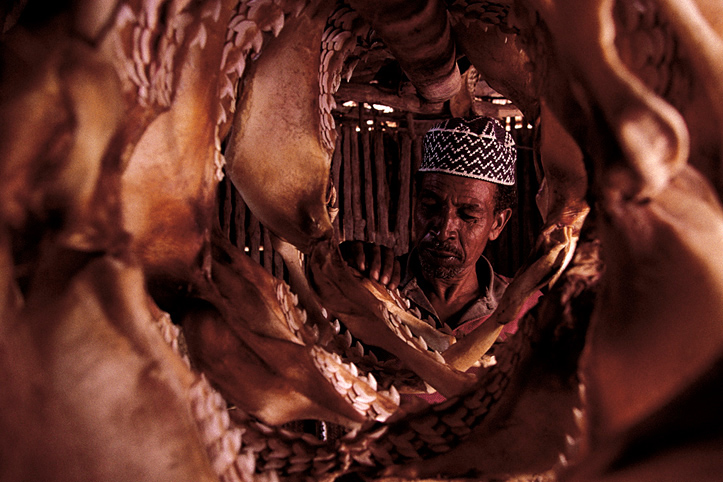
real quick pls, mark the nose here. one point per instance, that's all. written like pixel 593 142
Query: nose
pixel 446 224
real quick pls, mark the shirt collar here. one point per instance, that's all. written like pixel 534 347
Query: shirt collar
pixel 486 303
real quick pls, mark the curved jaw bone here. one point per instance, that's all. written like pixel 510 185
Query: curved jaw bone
pixel 650 134
pixel 251 340
pixel 413 329
pixel 276 157
pixel 90 389
pixel 342 291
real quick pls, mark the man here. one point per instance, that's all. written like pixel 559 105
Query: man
pixel 464 198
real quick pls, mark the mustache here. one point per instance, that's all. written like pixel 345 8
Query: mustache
pixel 447 247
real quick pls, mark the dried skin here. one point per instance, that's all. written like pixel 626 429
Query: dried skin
pixel 92 392
pixel 169 185
pixel 663 272
pixel 277 130
pixel 257 348
pixel 419 36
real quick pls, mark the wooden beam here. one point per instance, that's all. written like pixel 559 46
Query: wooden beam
pixel 410 102
pixel 374 95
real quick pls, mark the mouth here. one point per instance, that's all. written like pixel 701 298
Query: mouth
pixel 443 254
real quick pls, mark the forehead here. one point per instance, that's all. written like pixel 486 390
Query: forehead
pixel 458 189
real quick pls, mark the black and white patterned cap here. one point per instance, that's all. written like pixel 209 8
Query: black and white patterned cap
pixel 480 148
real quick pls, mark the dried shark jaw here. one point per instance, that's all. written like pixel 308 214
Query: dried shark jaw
pixel 262 354
pixel 660 224
pixel 279 102
pixel 415 445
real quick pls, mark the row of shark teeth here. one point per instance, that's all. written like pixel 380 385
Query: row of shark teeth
pixel 221 439
pixel 441 427
pixel 244 449
pixel 387 373
pixel 172 335
pixel 360 390
pixel 151 61
pixel 493 13
pixel 403 331
pixel 404 303
pixel 337 41
pixel 245 36
pixel 574 445
pixel 399 299
pixel 296 317
pixel 585 269
pixel 293 457
pixel 156 39
pixel 345 344
pixel 648 47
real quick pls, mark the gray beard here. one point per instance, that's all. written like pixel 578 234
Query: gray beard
pixel 438 272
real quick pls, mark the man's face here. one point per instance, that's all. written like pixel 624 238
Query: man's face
pixel 454 218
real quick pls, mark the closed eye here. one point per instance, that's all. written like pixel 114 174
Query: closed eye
pixel 429 202
pixel 470 214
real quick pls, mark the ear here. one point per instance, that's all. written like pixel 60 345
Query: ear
pixel 500 219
